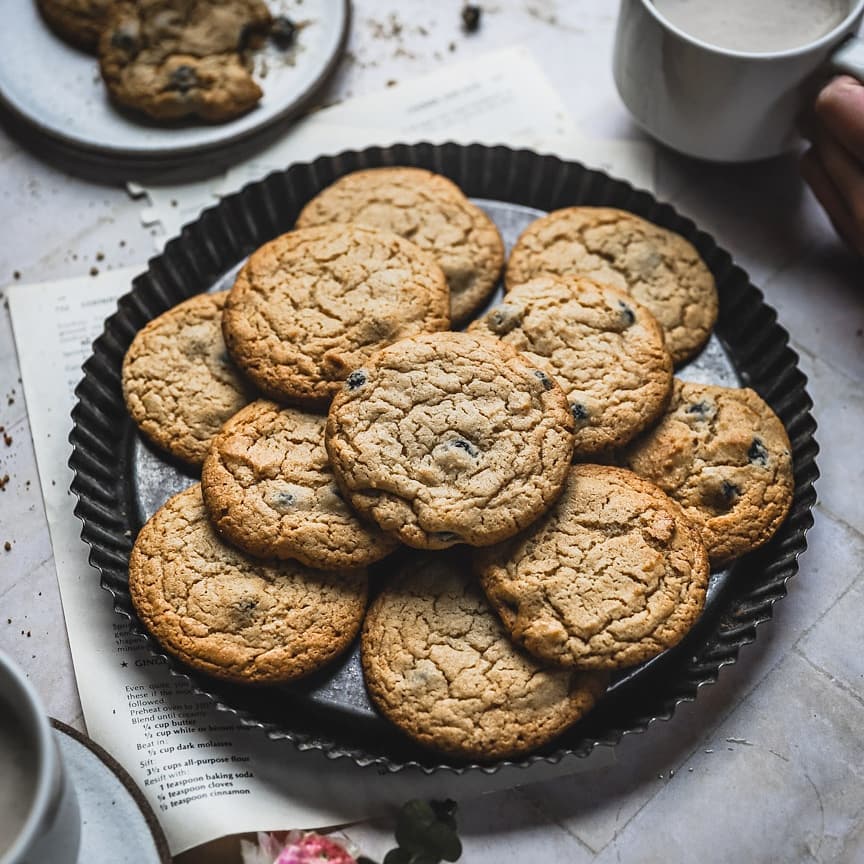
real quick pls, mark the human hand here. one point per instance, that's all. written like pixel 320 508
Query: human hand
pixel 834 165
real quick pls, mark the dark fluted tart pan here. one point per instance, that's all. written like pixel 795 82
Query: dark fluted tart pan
pixel 330 712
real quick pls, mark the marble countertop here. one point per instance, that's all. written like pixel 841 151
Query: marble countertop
pixel 766 765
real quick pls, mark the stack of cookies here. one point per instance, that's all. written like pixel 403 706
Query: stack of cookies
pixel 170 59
pixel 569 495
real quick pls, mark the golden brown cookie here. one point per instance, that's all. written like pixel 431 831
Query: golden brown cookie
pixel 438 664
pixel 79 22
pixel 611 576
pixel 269 489
pixel 724 456
pixel 311 305
pixel 657 267
pixel 230 616
pixel 182 58
pixel 179 384
pixel 429 210
pixel 605 350
pixel 450 438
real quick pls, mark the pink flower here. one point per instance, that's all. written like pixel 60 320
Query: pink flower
pixel 312 849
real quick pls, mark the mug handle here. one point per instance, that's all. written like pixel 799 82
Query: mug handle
pixel 848 58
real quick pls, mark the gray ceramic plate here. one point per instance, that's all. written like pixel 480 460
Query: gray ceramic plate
pixel 117 824
pixel 57 92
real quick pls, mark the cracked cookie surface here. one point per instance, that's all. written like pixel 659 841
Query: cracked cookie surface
pixel 231 616
pixel 430 211
pixel 79 22
pixel 450 438
pixel 439 665
pixel 182 58
pixel 313 304
pixel 614 574
pixel 605 350
pixel 724 456
pixel 658 268
pixel 269 490
pixel 179 384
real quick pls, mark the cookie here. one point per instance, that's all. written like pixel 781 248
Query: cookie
pixel 182 58
pixel 179 384
pixel 430 211
pixel 311 305
pixel 657 267
pixel 230 616
pixel 79 22
pixel 269 490
pixel 450 438
pixel 438 664
pixel 612 576
pixel 724 456
pixel 605 350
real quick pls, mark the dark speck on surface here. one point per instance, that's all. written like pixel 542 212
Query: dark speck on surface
pixel 627 314
pixel 462 444
pixel 447 536
pixel 94 271
pixel 579 411
pixel 471 15
pixel 183 79
pixel 356 379
pixel 729 491
pixel 285 500
pixel 757 453
pixel 543 378
pixel 123 40
pixel 8 547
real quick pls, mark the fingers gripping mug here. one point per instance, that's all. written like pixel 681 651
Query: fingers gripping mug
pixel 727 80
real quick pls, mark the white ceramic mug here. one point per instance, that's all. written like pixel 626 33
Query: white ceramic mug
pixel 718 104
pixel 47 824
